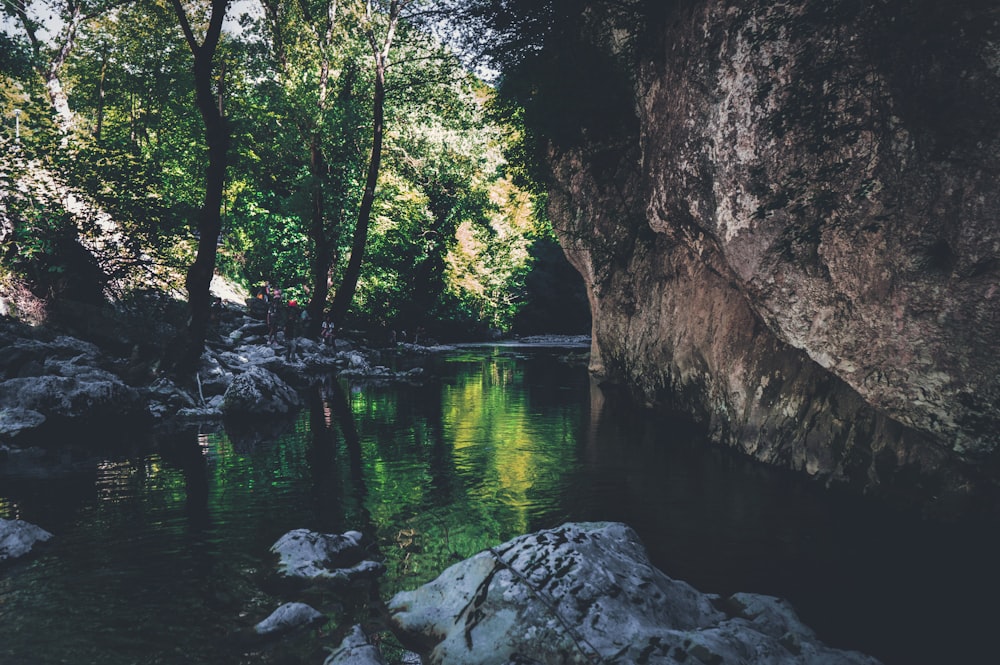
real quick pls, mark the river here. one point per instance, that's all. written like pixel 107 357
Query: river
pixel 161 548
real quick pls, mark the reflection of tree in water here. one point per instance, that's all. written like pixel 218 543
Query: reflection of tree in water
pixel 245 434
pixel 341 408
pixel 459 464
pixel 328 405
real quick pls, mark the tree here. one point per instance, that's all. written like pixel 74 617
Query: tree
pixel 380 49
pixel 50 60
pixel 306 44
pixel 199 276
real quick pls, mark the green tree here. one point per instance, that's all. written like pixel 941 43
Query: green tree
pixel 199 276
pixel 380 42
pixel 303 43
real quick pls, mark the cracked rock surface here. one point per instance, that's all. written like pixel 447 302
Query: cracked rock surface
pixel 586 592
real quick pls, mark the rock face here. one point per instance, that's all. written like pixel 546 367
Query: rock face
pixel 585 593
pixel 17 538
pixel 798 242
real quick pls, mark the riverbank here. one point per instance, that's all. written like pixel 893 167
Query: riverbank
pixel 51 381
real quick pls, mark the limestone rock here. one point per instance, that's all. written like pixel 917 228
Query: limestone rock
pixel 17 538
pixel 355 649
pixel 60 351
pixel 288 617
pixel 87 393
pixel 585 593
pixel 63 378
pixel 14 421
pixel 309 555
pixel 258 391
pixel 791 244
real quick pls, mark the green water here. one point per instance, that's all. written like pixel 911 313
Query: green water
pixel 161 548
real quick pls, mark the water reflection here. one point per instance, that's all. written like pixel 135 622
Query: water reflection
pixel 162 556
pixel 9 509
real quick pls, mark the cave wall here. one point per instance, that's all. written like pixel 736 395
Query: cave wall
pixel 799 243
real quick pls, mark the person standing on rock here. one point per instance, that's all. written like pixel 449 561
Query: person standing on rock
pixel 327 332
pixel 291 320
pixel 275 310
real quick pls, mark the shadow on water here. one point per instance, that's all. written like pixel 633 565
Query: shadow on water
pixel 161 549
pixel 864 575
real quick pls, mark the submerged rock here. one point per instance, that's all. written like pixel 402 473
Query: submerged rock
pixel 17 538
pixel 288 617
pixel 309 555
pixel 586 593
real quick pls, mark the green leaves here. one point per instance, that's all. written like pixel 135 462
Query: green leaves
pixel 451 228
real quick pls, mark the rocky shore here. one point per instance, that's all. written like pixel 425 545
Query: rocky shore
pixel 578 593
pixel 51 381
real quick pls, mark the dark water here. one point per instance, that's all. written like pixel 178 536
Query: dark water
pixel 161 548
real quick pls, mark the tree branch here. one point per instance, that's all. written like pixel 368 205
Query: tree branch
pixel 186 26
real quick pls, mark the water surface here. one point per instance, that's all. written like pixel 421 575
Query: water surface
pixel 161 548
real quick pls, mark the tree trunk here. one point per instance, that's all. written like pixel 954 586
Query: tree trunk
pixel 380 55
pixel 199 276
pixel 323 254
pixel 100 98
pixel 345 294
pixel 72 18
pixel 323 244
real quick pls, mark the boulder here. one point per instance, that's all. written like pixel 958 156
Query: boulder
pixel 23 352
pixel 14 421
pixel 214 376
pixel 17 538
pixel 309 555
pixel 79 392
pixel 288 617
pixel 258 391
pixel 165 398
pixel 356 361
pixel 355 649
pixel 583 593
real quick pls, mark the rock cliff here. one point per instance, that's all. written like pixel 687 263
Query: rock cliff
pixel 799 241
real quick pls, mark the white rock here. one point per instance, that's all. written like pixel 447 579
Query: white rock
pixel 587 593
pixel 89 393
pixel 307 345
pixel 18 537
pixel 309 555
pixel 258 391
pixel 288 617
pixel 15 420
pixel 356 361
pixel 355 649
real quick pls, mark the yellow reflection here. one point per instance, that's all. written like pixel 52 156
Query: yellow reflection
pixel 9 509
pixel 494 438
pixel 114 481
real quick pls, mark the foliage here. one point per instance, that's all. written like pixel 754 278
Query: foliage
pixel 449 246
pixel 560 82
pixel 15 57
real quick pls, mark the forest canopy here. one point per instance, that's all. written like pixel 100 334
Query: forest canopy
pixel 337 150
